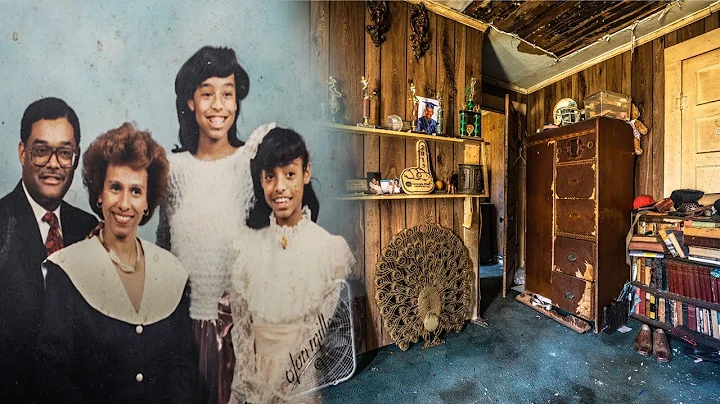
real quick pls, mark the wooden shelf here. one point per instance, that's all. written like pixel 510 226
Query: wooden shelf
pixel 668 295
pixel 438 195
pixel 649 321
pixel 392 133
pixel 701 339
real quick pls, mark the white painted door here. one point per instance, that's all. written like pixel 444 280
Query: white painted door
pixel 701 122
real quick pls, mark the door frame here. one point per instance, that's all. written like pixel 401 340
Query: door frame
pixel 674 100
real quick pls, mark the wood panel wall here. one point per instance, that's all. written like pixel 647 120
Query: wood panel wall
pixel 642 76
pixel 493 130
pixel 340 47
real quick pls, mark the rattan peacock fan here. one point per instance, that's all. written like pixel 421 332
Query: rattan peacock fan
pixel 423 285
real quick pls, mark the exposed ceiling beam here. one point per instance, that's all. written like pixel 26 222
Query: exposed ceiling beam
pixel 502 84
pixel 696 16
pixel 445 11
pixel 459 5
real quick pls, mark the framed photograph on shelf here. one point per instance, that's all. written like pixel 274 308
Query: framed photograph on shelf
pixel 391 186
pixel 427 115
pixel 374 186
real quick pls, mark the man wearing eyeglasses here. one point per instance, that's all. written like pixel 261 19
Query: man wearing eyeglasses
pixel 35 222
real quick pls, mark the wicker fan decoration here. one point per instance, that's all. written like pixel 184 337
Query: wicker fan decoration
pixel 423 285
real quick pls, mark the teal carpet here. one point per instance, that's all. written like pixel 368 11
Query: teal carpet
pixel 524 357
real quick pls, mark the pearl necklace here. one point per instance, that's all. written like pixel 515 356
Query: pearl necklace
pixel 127 268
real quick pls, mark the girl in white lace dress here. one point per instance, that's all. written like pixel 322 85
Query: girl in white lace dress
pixel 284 273
pixel 210 193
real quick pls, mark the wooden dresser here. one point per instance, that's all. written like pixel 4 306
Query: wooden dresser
pixel 579 198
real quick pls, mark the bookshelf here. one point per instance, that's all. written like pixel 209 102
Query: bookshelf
pixel 674 292
pixel 668 295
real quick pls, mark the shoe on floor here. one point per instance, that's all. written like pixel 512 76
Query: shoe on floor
pixel 661 347
pixel 643 341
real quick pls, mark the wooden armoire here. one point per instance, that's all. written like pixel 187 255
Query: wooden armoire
pixel 579 198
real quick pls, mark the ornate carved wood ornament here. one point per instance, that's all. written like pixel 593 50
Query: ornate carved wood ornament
pixel 380 15
pixel 423 285
pixel 420 25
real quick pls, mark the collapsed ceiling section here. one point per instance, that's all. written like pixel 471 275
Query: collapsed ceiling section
pixel 532 43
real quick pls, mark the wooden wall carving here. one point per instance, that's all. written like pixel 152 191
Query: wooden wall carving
pixel 380 15
pixel 420 26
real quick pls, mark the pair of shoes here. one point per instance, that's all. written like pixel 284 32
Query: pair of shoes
pixel 661 346
pixel 643 341
pixel 647 342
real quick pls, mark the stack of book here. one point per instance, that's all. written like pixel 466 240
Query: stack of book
pixel 703 241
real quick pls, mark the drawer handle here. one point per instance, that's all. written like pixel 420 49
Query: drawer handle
pixel 569 295
pixel 571 257
pixel 575 148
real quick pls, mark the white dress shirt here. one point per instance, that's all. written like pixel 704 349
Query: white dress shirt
pixel 44 227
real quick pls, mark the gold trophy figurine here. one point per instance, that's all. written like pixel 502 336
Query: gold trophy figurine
pixel 415 101
pixel 366 104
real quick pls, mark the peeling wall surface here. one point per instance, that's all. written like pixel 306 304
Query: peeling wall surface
pixel 116 61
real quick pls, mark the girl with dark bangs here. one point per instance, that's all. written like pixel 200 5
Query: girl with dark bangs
pixel 210 193
pixel 283 273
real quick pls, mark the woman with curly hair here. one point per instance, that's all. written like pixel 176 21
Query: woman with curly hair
pixel 116 326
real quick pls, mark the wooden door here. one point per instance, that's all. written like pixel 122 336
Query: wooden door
pixel 510 202
pixel 701 122
pixel 692 115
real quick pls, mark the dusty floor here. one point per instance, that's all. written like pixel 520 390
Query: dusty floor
pixel 526 358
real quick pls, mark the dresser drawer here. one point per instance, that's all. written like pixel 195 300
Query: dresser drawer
pixel 572 294
pixel 575 181
pixel 576 148
pixel 576 216
pixel 575 258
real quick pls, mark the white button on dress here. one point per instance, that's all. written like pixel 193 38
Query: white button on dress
pixel 139 329
pixel 139 377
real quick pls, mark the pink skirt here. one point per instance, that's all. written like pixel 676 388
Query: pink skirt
pixel 217 359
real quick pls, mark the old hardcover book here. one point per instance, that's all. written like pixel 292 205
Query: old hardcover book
pixel 701 241
pixel 704 252
pixel 652 309
pixel 685 315
pixel 676 238
pixel 702 232
pixel 661 309
pixel 706 322
pixel 647 246
pixel 715 323
pixel 692 317
pixel 646 239
pixel 668 244
pixel 706 281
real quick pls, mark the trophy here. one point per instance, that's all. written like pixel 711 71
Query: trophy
pixel 366 104
pixel 415 101
pixel 334 103
pixel 440 119
pixel 470 114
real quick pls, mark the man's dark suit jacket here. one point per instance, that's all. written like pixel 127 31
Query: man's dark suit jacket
pixel 22 288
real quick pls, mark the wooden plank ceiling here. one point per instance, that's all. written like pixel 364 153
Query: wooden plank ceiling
pixel 562 27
